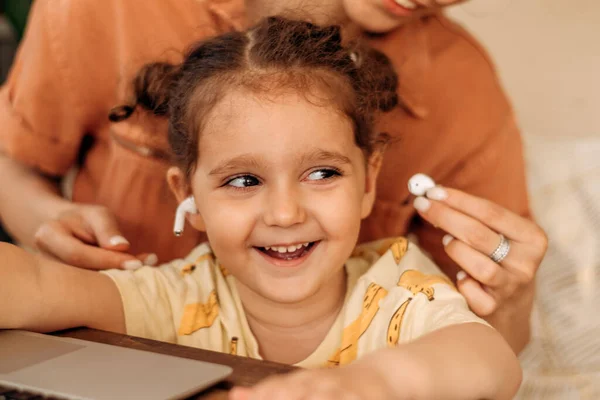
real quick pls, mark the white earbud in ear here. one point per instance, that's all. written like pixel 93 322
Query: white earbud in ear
pixel 188 206
pixel 419 184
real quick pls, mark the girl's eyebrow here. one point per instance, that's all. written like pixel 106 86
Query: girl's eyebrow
pixel 324 155
pixel 249 161
pixel 235 164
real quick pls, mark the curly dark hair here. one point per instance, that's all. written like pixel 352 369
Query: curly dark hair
pixel 276 55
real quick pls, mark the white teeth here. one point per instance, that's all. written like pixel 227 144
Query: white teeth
pixel 287 249
pixel 406 4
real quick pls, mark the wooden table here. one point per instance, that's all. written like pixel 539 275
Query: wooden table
pixel 246 371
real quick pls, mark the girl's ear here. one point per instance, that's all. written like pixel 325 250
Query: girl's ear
pixel 178 184
pixel 373 168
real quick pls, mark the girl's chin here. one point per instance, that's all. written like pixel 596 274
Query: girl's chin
pixel 374 27
pixel 288 292
pixel 299 289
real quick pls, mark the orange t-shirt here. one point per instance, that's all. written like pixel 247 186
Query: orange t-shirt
pixel 78 58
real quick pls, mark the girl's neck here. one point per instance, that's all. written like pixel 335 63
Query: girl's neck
pixel 289 333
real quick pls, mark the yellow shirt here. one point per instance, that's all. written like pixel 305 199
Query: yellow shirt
pixel 394 295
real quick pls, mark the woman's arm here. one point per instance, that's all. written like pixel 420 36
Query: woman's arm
pixel 27 200
pixel 41 295
pixel 462 362
pixel 35 214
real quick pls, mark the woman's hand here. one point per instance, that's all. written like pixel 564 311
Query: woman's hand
pixel 501 292
pixel 353 382
pixel 87 236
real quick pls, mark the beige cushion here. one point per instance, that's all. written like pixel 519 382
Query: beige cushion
pixel 563 359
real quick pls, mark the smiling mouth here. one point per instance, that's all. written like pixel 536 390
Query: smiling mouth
pixel 401 8
pixel 407 4
pixel 288 253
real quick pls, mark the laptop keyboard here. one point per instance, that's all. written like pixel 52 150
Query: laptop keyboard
pixel 11 394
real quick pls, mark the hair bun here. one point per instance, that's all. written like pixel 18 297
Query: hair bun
pixel 376 80
pixel 120 113
pixel 152 90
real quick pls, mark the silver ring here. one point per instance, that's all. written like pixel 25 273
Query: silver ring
pixel 501 251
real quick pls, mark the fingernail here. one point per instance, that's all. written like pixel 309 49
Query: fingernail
pixel 460 275
pixel 447 239
pixel 437 193
pixel 132 265
pixel 151 260
pixel 117 240
pixel 422 204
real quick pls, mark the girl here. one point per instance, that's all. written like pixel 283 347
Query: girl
pixel 272 133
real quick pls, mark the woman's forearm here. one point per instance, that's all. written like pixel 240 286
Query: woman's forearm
pixel 27 199
pixel 19 287
pixel 42 295
pixel 465 361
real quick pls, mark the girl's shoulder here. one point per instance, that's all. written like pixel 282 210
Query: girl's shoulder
pixel 395 294
pixel 388 262
pixel 200 263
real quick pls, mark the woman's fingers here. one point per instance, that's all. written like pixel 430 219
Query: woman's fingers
pixel 460 225
pixel 105 229
pixel 75 223
pixel 477 265
pixel 528 242
pixel 494 216
pixel 88 237
pixel 55 239
pixel 481 302
pixel 149 259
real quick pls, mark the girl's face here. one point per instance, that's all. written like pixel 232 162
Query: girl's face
pixel 281 188
pixel 385 15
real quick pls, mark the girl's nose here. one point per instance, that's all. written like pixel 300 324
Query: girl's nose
pixel 283 209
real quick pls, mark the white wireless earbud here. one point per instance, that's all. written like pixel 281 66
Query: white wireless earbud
pixel 419 184
pixel 188 206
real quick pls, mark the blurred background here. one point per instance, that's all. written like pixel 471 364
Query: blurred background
pixel 13 16
pixel 547 53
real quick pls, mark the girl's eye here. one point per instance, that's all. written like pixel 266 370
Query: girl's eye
pixel 321 174
pixel 243 181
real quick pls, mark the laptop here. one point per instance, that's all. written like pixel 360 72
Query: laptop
pixel 76 369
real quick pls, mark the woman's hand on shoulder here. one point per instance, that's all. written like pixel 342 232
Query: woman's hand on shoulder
pixel 87 236
pixel 497 280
